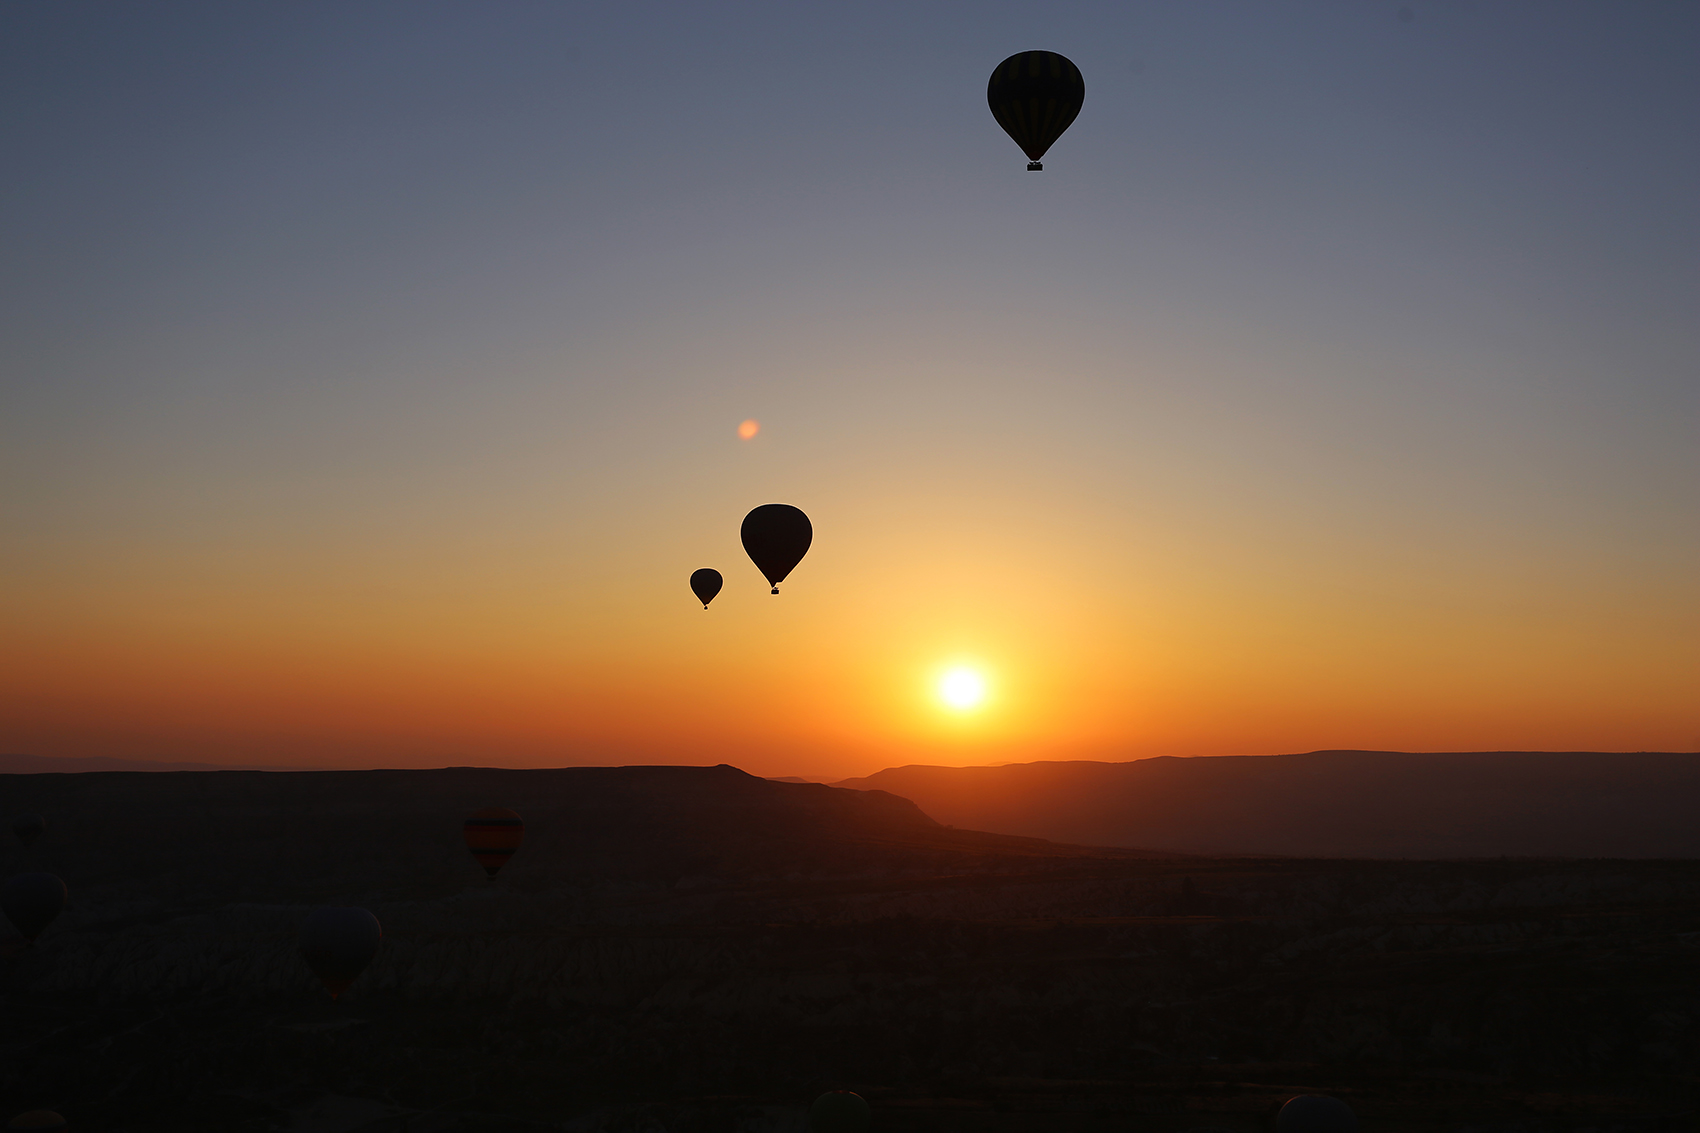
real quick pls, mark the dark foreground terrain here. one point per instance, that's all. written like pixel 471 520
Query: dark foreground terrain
pixel 1338 804
pixel 696 949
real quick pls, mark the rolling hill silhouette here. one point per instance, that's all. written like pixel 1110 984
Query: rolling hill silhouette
pixel 1333 803
pixel 694 949
pixel 322 835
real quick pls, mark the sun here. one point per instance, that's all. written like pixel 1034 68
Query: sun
pixel 962 688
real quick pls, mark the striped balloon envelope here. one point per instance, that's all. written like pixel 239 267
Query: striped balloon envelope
pixel 493 835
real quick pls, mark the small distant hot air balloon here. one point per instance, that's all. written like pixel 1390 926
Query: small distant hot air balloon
pixel 493 835
pixel 31 901
pixel 1316 1113
pixel 38 1119
pixel 839 1111
pixel 29 827
pixel 1035 96
pixel 776 537
pixel 338 943
pixel 705 584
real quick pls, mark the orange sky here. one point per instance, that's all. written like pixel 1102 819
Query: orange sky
pixel 1103 634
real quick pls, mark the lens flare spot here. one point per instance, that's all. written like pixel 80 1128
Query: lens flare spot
pixel 962 689
pixel 749 428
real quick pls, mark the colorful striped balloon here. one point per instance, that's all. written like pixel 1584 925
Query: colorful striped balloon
pixel 493 835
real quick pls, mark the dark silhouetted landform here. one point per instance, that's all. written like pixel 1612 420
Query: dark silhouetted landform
pixel 1366 804
pixel 313 835
pixel 701 951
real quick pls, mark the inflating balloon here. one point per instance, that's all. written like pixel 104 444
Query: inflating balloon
pixel 493 835
pixel 705 584
pixel 338 944
pixel 29 827
pixel 776 537
pixel 839 1111
pixel 1316 1113
pixel 1035 95
pixel 38 1119
pixel 31 901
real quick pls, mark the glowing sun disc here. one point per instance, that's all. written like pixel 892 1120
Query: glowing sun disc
pixel 962 689
pixel 749 428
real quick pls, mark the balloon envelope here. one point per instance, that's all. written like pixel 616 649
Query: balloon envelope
pixel 1316 1113
pixel 839 1111
pixel 493 835
pixel 776 537
pixel 1035 96
pixel 38 1119
pixel 705 584
pixel 338 943
pixel 28 827
pixel 31 901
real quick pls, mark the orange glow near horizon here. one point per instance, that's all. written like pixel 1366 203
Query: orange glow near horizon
pixel 356 663
pixel 354 421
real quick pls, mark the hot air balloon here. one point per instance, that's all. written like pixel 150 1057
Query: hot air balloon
pixel 1035 95
pixel 29 827
pixel 338 944
pixel 494 834
pixel 1316 1113
pixel 31 901
pixel 776 537
pixel 38 1119
pixel 839 1111
pixel 705 584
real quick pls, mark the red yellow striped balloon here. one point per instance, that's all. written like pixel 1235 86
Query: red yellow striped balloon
pixel 493 835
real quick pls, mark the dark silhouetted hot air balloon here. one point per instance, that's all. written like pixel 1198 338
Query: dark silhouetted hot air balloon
pixel 338 944
pixel 839 1111
pixel 1035 95
pixel 29 827
pixel 776 537
pixel 38 1119
pixel 494 834
pixel 31 901
pixel 705 584
pixel 1316 1113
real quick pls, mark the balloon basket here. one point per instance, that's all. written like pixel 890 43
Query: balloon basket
pixel 1034 167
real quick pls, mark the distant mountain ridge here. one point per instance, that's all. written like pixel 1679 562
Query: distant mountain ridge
pixel 1332 803
pixel 260 836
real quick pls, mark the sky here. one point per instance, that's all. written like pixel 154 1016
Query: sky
pixel 371 377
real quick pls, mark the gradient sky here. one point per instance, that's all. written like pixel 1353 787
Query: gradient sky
pixel 372 375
